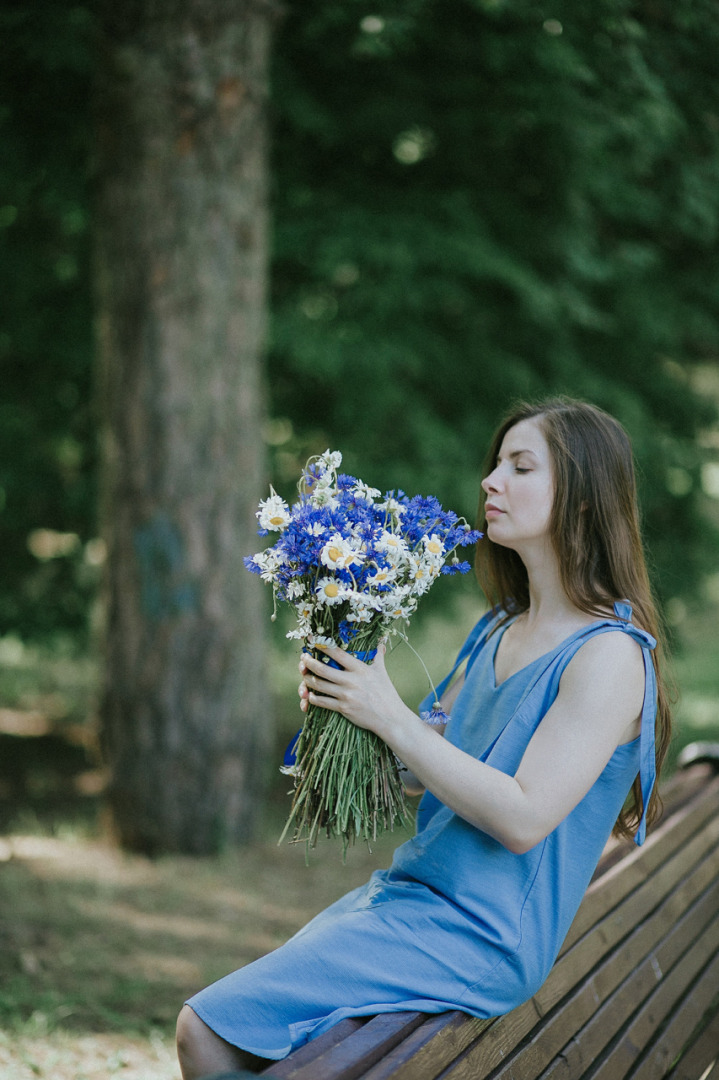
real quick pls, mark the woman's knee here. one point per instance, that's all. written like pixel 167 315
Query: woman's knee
pixel 188 1031
pixel 201 1051
pixel 194 1038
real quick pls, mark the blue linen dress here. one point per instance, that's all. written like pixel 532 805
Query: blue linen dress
pixel 457 921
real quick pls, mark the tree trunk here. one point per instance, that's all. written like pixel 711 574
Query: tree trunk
pixel 181 267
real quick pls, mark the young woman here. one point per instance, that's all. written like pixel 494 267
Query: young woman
pixel 558 712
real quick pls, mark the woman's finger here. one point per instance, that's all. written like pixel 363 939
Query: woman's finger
pixel 324 670
pixel 324 702
pixel 324 686
pixel 340 656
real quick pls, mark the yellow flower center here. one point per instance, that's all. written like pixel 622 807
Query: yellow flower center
pixel 334 553
pixel 434 547
pixel 276 520
pixel 331 589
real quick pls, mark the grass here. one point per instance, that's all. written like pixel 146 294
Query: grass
pixel 98 949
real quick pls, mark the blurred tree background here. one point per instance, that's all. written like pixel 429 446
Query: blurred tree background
pixel 481 200
pixel 472 201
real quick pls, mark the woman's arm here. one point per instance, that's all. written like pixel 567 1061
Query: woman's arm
pixel 411 783
pixel 597 707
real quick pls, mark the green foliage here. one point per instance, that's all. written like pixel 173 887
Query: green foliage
pixel 473 202
pixel 47 447
pixel 481 201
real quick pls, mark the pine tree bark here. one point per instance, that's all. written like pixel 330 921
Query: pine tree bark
pixel 182 250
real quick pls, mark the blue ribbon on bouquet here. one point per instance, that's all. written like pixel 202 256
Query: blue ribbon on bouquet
pixel 290 757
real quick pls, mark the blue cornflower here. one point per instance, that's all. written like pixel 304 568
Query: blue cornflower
pixel 435 716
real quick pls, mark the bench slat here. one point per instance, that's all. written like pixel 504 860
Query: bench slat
pixel 687 1015
pixel 426 1052
pixel 353 1055
pixel 605 999
pixel 312 1050
pixel 702 1054
pixel 677 791
pixel 497 1057
pixel 627 1049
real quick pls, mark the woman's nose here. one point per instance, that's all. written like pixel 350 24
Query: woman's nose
pixel 490 483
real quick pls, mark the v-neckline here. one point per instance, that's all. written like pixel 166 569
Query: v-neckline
pixel 544 656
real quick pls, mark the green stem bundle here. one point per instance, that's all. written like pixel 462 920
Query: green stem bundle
pixel 347 782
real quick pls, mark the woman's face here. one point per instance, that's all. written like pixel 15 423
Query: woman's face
pixel 520 488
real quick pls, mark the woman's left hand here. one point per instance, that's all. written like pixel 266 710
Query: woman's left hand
pixel 364 693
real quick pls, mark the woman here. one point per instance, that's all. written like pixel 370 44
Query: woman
pixel 554 717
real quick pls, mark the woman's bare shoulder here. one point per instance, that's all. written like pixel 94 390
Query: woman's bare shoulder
pixel 612 660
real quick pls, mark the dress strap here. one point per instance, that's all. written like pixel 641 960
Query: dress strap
pixel 477 635
pixel 647 752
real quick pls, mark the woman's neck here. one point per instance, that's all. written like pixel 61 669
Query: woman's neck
pixel 548 602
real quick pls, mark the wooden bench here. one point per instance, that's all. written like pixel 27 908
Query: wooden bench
pixel 633 993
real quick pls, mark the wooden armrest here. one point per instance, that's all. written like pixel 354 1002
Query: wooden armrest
pixel 696 753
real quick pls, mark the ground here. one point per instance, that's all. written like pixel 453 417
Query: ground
pixel 99 949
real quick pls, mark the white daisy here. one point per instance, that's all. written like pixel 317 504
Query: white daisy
pixel 340 553
pixel 290 770
pixel 433 546
pixel 393 546
pixel 269 562
pixel 420 573
pixel 324 495
pixel 363 606
pixel 330 591
pixel 274 513
pixel 330 461
pixel 304 610
pixel 365 491
pixel 361 615
pixel 301 631
pixel 400 610
pixel 382 575
pixel 321 639
pixel 393 507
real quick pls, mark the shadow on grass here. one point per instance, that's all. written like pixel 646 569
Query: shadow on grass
pixel 97 940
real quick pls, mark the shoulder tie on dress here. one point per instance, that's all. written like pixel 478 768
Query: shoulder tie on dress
pixel 647 758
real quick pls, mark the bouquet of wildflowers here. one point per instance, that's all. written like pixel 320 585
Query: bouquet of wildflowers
pixel 353 564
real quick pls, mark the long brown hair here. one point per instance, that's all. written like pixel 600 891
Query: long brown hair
pixel 595 531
